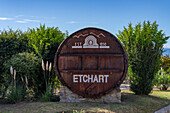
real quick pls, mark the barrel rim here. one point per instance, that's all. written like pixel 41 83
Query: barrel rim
pixel 77 92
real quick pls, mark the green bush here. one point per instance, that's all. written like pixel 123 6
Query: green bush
pixel 27 67
pixel 47 96
pixel 144 46
pixel 165 62
pixel 162 79
pixel 44 41
pixel 15 95
pixel 11 43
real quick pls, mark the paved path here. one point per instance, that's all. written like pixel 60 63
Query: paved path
pixel 164 110
pixel 124 86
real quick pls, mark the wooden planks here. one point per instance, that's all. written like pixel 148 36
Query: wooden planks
pixel 91 62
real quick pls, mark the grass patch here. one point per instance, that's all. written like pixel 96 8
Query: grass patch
pixel 131 103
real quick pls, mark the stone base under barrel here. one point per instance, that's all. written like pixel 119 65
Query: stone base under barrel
pixel 67 95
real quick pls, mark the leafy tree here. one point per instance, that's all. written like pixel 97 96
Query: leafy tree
pixel 144 46
pixel 42 41
pixel 27 67
pixel 162 79
pixel 11 43
pixel 45 41
pixel 165 64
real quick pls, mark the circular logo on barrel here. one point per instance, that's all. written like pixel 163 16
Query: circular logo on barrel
pixel 91 62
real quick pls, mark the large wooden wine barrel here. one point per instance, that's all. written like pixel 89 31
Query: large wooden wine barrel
pixel 91 62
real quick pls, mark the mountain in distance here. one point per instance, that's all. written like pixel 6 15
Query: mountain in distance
pixel 166 51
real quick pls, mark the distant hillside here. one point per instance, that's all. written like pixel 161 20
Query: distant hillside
pixel 167 51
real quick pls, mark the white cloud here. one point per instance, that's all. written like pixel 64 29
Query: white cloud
pixel 49 17
pixel 21 21
pixel 166 46
pixel 4 18
pixel 27 20
pixel 19 16
pixel 52 18
pixel 73 22
pixel 34 17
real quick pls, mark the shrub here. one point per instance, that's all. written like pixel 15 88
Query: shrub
pixel 41 41
pixel 165 64
pixel 15 95
pixel 47 96
pixel 27 67
pixel 11 43
pixel 144 46
pixel 45 41
pixel 162 79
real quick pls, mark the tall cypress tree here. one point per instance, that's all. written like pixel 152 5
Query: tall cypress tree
pixel 144 46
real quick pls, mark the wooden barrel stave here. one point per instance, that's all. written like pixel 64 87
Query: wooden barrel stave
pixel 80 68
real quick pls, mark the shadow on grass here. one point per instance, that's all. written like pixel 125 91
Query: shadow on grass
pixel 3 101
pixel 130 97
pixel 131 103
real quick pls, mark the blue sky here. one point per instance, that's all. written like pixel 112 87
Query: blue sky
pixel 73 15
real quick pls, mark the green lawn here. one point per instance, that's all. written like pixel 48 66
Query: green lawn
pixel 130 104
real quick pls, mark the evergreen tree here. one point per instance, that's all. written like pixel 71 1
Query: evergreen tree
pixel 144 46
pixel 45 41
